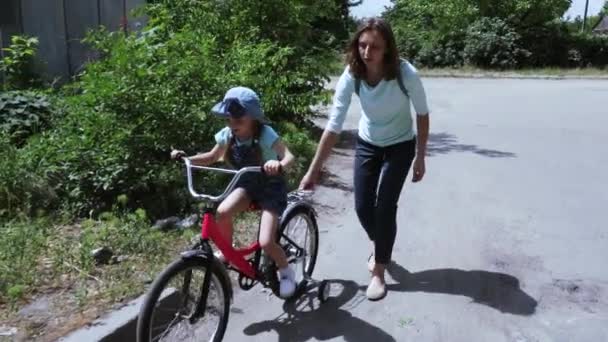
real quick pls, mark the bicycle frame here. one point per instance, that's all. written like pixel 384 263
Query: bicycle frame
pixel 236 257
pixel 209 228
pixel 240 260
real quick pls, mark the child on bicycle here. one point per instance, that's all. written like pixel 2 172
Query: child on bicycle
pixel 249 141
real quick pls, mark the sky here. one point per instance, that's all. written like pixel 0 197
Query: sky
pixel 371 8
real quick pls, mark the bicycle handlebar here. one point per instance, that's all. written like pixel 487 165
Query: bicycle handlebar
pixel 237 175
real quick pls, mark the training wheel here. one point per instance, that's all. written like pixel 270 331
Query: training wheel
pixel 323 294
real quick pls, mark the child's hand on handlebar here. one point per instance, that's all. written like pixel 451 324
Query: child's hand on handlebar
pixel 272 167
pixel 177 154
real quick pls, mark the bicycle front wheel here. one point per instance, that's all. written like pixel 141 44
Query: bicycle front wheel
pixel 169 311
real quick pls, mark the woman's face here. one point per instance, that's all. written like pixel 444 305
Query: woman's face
pixel 242 127
pixel 372 48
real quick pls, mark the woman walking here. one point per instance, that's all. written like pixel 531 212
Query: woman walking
pixel 386 144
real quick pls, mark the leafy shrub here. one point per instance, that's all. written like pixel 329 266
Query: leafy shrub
pixel 549 45
pixel 445 51
pixel 554 45
pixel 493 34
pixel 593 50
pixel 23 113
pixel 301 145
pixel 492 43
pixel 22 190
pixel 17 65
pixel 153 90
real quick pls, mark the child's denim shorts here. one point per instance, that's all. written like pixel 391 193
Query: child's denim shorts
pixel 268 192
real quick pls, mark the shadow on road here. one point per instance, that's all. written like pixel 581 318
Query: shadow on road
pixel 497 290
pixel 331 180
pixel 443 143
pixel 439 143
pixel 306 319
pixel 348 139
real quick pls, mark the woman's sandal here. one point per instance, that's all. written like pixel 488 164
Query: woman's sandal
pixel 375 290
pixel 371 263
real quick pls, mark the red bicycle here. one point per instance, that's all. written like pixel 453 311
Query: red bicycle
pixel 190 300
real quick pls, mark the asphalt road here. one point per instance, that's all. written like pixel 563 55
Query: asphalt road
pixel 506 239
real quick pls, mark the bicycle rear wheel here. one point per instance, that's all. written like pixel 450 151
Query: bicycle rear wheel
pixel 169 310
pixel 299 237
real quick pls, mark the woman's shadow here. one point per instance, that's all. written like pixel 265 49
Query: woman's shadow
pixel 497 290
pixel 305 318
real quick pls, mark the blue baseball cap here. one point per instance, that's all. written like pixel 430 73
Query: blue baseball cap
pixel 239 101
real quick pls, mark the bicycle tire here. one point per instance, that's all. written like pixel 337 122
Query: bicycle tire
pixel 306 212
pixel 146 312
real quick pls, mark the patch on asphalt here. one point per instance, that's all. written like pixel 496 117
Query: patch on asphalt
pixel 515 261
pixel 588 296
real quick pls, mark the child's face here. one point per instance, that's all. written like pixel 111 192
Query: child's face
pixel 241 127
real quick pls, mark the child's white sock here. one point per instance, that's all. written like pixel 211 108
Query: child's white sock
pixel 287 282
pixel 287 272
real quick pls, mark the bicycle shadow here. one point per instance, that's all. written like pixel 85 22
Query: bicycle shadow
pixel 496 290
pixel 305 319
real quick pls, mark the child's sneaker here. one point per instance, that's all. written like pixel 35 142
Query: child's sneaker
pixel 288 283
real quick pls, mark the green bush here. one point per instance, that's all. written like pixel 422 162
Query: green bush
pixel 555 45
pixel 22 114
pixel 493 34
pixel 22 188
pixel 301 145
pixel 492 43
pixel 153 90
pixel 548 44
pixel 17 66
pixel 593 50
pixel 443 52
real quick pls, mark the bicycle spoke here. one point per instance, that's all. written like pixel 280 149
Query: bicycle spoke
pixel 299 244
pixel 161 336
pixel 172 318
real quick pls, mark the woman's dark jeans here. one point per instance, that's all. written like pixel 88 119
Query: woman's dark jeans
pixel 379 176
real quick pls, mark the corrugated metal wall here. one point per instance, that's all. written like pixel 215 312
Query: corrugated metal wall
pixel 61 24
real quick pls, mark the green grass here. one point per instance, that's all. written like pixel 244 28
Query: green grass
pixel 36 253
pixel 39 257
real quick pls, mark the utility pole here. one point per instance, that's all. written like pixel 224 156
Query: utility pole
pixel 585 16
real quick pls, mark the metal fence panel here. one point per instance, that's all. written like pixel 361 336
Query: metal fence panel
pixel 45 20
pixel 60 26
pixel 112 13
pixel 81 16
pixel 10 23
pixel 135 23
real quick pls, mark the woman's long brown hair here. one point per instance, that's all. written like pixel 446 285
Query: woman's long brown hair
pixel 391 56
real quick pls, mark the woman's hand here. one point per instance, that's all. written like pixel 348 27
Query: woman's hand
pixel 309 181
pixel 272 167
pixel 177 154
pixel 419 169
